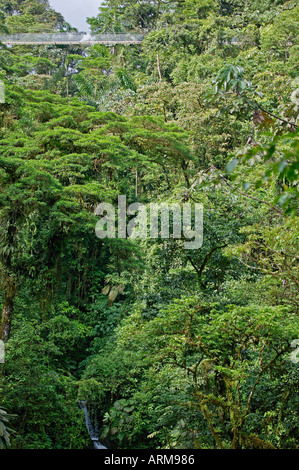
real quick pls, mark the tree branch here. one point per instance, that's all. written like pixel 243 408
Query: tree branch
pixel 276 117
pixel 277 209
pixel 199 271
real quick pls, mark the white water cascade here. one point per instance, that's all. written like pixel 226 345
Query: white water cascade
pixel 92 428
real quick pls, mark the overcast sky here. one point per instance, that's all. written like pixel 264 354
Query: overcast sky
pixel 75 12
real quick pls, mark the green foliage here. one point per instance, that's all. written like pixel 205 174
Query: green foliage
pixel 216 364
pixel 166 347
pixel 5 431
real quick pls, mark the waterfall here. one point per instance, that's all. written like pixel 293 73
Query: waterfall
pixel 92 428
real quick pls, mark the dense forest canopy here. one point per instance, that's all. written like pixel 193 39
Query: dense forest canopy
pixel 168 347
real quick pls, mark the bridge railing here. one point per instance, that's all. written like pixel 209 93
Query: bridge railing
pixel 70 38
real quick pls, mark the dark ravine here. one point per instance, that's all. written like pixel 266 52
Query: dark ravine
pixel 92 428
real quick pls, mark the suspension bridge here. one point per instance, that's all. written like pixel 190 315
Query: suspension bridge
pixel 85 39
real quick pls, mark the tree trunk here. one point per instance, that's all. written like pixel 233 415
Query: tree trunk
pixel 67 82
pixel 159 67
pixel 136 183
pixel 7 312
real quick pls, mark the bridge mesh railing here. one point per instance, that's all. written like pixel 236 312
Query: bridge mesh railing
pixel 70 38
